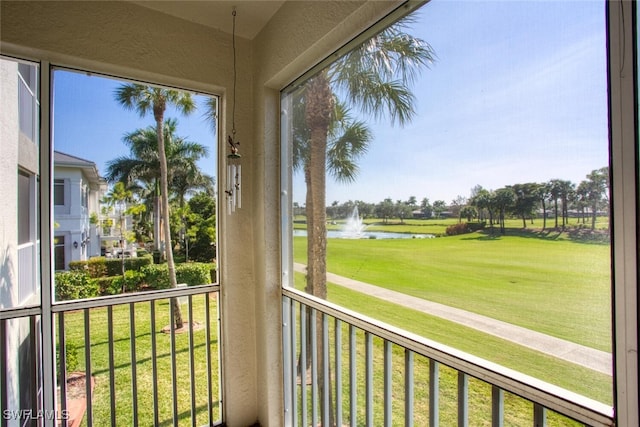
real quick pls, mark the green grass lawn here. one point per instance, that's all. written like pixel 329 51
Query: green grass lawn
pixel 546 282
pixel 555 286
pixel 99 345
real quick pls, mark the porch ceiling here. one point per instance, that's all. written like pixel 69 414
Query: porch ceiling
pixel 252 15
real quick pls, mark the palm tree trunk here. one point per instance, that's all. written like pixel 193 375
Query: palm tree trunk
pixel 164 201
pixel 319 106
pixel 156 217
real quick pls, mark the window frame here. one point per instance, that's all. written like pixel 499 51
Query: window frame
pixel 624 165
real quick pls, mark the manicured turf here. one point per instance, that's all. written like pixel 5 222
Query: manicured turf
pixel 546 282
pixel 555 286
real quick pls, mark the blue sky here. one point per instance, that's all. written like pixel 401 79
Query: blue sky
pixel 90 124
pixel 517 94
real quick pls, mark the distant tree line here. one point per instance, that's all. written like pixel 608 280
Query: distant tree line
pixel 556 199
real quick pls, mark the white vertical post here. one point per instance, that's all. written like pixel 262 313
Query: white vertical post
pixel 434 389
pixel 408 388
pixel 463 399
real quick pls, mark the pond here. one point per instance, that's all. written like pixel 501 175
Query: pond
pixel 339 234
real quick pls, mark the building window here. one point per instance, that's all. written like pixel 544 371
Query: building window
pixel 27 100
pixel 58 192
pixel 491 198
pixel 85 196
pixel 59 253
pixel 25 208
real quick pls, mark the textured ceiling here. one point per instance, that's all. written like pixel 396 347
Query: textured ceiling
pixel 251 15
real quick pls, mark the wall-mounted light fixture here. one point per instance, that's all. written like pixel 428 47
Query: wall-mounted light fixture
pixel 75 245
pixel 234 168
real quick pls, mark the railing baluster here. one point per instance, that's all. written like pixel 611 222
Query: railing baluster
pixel 408 388
pixel 62 345
pixel 539 415
pixel 112 380
pixel 463 399
pixel 154 363
pixel 338 358
pixel 388 383
pixel 134 371
pixel 326 381
pixel 87 363
pixel 3 371
pixel 292 358
pixel 207 352
pixel 314 368
pixel 192 364
pixel 434 390
pixel 174 374
pixel 369 377
pixel 353 378
pixel 303 363
pixel 286 359
pixel 497 407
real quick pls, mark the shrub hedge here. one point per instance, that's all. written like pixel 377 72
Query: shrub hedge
pixel 75 285
pixel 101 266
pixel 455 229
pixel 156 276
pixel 464 227
pixel 79 283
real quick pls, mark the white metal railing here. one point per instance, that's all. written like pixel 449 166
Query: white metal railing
pixel 381 385
pixel 136 367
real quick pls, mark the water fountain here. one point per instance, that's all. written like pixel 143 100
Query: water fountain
pixel 354 227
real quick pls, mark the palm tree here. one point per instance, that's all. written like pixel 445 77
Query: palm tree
pixel 597 189
pixel 374 78
pixel 145 99
pixel 143 164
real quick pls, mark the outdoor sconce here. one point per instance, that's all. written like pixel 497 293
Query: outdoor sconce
pixel 75 245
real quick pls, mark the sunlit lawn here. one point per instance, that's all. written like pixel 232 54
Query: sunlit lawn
pixel 122 355
pixel 548 283
pixel 555 286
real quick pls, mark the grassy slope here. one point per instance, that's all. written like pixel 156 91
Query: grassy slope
pixel 557 287
pixel 545 283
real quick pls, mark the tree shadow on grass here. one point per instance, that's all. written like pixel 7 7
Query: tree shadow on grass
pixel 145 360
pixel 573 234
pixel 186 415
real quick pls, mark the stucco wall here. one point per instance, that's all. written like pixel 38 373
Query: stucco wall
pixel 9 137
pixel 9 131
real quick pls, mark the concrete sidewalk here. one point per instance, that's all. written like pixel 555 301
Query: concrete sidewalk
pixel 581 355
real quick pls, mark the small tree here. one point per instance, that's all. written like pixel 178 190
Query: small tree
pixel 439 206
